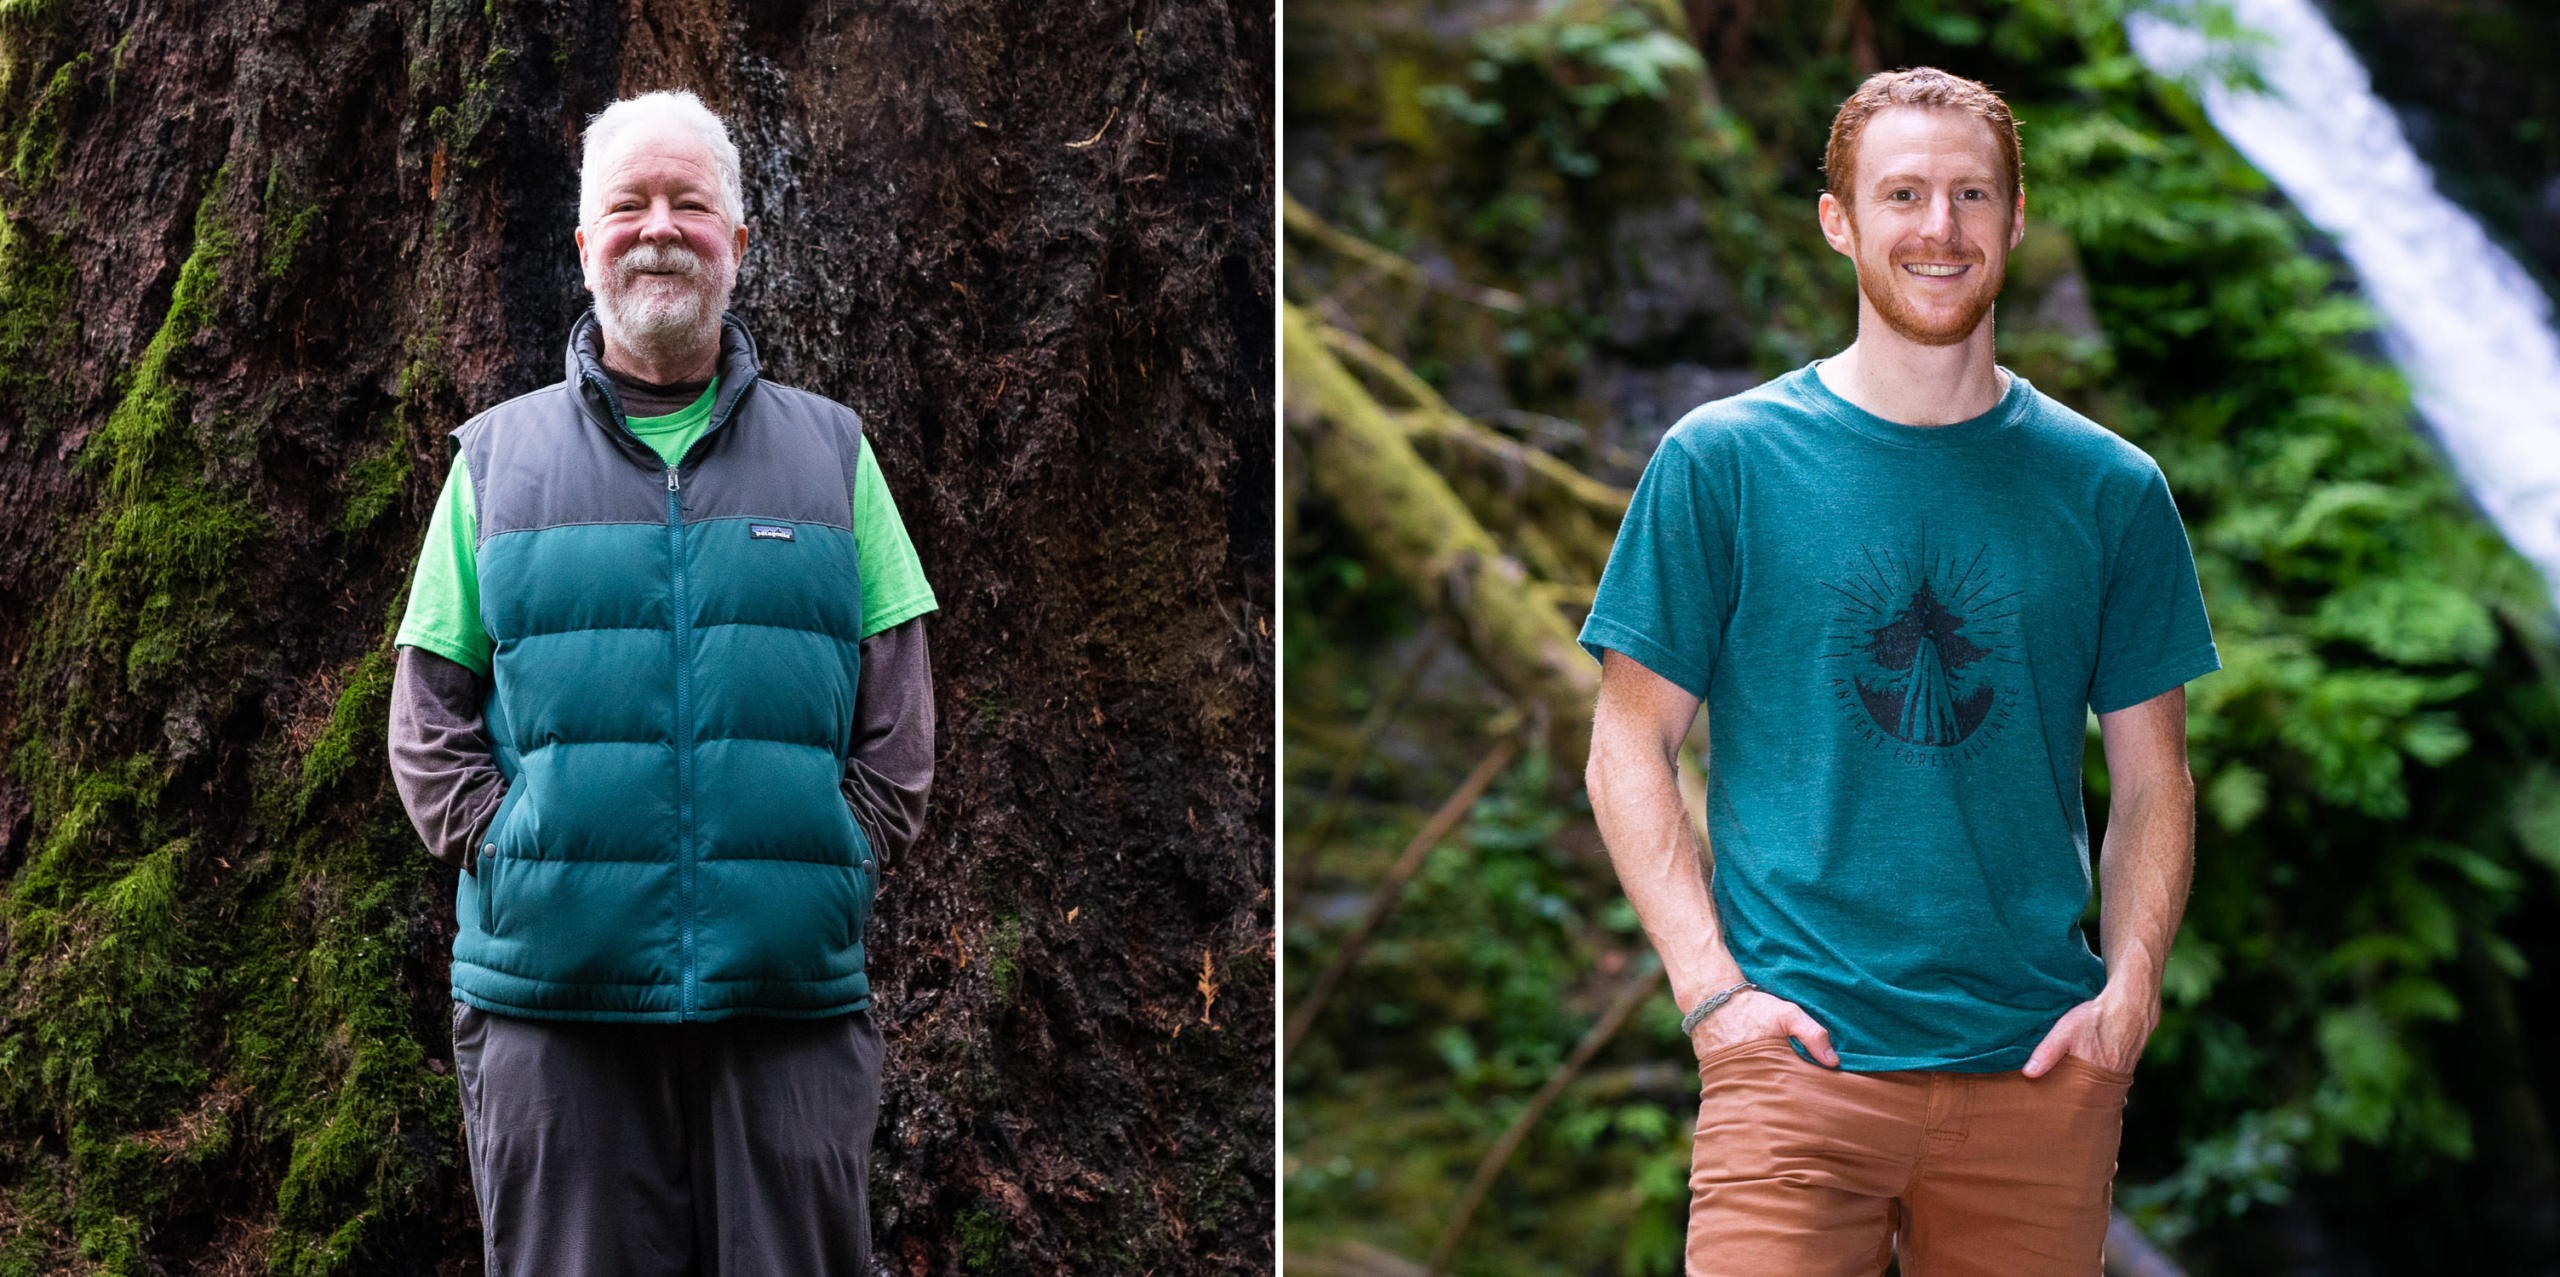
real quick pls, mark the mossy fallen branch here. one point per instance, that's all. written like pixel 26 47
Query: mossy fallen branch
pixel 1558 520
pixel 1417 527
pixel 1435 425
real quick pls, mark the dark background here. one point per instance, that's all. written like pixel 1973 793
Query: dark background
pixel 256 261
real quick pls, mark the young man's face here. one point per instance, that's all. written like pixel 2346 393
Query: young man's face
pixel 1930 221
pixel 661 255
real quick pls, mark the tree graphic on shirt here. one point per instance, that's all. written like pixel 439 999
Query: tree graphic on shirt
pixel 1922 647
pixel 1917 632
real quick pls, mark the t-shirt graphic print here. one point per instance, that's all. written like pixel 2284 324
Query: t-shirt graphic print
pixel 1921 636
pixel 1899 633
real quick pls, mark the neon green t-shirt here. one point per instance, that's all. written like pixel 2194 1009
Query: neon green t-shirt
pixel 444 595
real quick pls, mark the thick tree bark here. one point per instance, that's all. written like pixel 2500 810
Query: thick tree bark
pixel 257 260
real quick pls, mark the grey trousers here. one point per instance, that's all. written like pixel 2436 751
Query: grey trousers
pixel 736 1148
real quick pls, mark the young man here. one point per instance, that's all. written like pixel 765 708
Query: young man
pixel 663 696
pixel 1900 579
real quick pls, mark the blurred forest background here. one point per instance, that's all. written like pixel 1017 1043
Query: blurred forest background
pixel 1521 240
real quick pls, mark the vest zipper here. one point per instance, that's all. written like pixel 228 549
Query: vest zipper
pixel 684 738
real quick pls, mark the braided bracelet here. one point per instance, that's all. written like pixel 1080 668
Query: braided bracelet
pixel 1689 1023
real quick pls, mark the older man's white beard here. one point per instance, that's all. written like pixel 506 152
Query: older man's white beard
pixel 661 315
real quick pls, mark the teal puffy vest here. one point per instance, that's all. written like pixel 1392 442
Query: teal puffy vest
pixel 672 693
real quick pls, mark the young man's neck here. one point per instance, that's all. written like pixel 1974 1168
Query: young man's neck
pixel 1912 384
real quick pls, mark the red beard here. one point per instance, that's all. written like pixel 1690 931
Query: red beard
pixel 1942 329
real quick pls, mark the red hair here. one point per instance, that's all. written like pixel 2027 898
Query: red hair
pixel 1919 86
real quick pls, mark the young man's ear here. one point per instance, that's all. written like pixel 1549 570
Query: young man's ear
pixel 2018 219
pixel 1837 229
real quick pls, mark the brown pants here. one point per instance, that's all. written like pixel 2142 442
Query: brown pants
pixel 1803 1171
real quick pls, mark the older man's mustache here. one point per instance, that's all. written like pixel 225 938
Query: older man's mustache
pixel 657 259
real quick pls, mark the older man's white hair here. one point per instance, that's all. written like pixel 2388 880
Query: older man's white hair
pixel 633 119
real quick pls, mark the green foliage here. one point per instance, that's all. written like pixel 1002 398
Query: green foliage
pixel 2373 631
pixel 170 1032
pixel 1567 80
pixel 163 551
pixel 353 1177
pixel 1557 131
pixel 284 239
pixel 379 478
pixel 100 943
pixel 982 1241
pixel 1479 986
pixel 2371 810
pixel 285 221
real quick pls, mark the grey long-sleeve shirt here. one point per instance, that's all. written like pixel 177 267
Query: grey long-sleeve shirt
pixel 447 771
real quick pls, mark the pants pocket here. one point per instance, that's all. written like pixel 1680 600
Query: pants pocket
pixel 1746 1047
pixel 2102 1074
pixel 470 1037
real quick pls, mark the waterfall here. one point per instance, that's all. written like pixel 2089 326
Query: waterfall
pixel 2467 326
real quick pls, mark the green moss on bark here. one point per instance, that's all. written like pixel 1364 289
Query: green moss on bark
pixel 38 332
pixel 378 479
pixel 375 484
pixel 175 993
pixel 154 584
pixel 354 733
pixel 39 146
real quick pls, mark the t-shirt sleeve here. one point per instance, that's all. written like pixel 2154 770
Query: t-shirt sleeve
pixel 444 595
pixel 1667 592
pixel 2152 633
pixel 894 590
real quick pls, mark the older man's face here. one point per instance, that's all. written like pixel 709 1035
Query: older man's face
pixel 661 255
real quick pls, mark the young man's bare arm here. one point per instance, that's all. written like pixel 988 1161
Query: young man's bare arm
pixel 1634 781
pixel 2144 868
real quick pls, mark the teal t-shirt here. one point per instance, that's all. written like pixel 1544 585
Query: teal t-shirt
pixel 444 596
pixel 1899 633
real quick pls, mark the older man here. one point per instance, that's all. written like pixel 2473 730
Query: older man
pixel 663 698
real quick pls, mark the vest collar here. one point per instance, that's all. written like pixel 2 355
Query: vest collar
pixel 739 368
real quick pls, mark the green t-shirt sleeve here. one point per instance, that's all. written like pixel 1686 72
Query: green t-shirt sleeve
pixel 444 594
pixel 2152 633
pixel 894 590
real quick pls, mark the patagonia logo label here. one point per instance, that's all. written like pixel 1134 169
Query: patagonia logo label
pixel 770 532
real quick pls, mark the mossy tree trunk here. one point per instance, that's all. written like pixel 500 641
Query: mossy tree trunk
pixel 256 261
